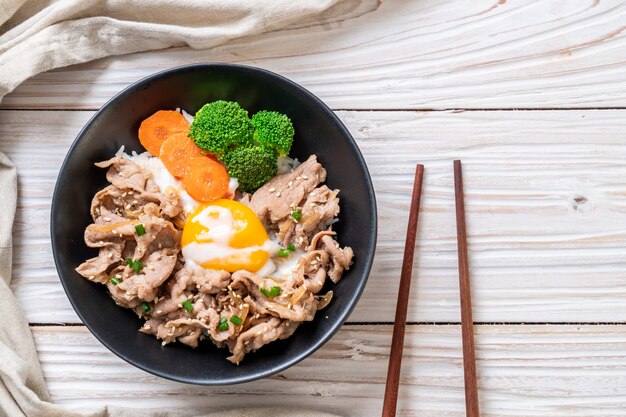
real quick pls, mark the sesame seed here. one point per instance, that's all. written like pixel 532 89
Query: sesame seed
pixel 163 343
pixel 128 293
pixel 147 327
pixel 135 202
pixel 304 177
pixel 107 219
pixel 124 194
pixel 180 305
pixel 91 277
pixel 110 255
pixel 271 190
pixel 160 246
pixel 128 206
pixel 121 235
pixel 290 183
pixel 278 194
pixel 298 177
pixel 326 317
pixel 114 231
pixel 159 311
pixel 287 324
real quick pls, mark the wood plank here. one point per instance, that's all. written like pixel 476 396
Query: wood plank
pixel 403 54
pixel 523 371
pixel 545 202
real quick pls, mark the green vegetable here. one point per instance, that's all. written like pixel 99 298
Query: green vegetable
pixel 223 324
pixel 283 253
pixel 187 306
pixel 134 264
pixel 145 307
pixel 140 229
pixel 236 320
pixel 252 166
pixel 272 292
pixel 115 281
pixel 291 247
pixel 274 130
pixel 220 126
pixel 297 215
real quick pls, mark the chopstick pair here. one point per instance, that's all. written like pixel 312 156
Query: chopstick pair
pixel 467 324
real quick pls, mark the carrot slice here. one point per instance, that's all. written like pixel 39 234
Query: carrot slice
pixel 176 152
pixel 205 180
pixel 154 130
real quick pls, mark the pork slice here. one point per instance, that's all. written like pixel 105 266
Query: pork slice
pixel 209 281
pixel 320 207
pixel 124 173
pixel 280 196
pixel 96 269
pixel 303 310
pixel 157 267
pixel 112 204
pixel 123 298
pixel 312 270
pixel 260 335
pixel 340 258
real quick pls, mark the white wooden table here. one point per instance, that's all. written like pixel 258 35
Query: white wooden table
pixel 531 95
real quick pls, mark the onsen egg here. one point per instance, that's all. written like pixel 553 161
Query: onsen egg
pixel 228 235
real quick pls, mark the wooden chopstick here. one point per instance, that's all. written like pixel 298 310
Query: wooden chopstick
pixel 467 322
pixel 397 341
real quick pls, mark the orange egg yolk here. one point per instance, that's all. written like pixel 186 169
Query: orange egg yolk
pixel 225 234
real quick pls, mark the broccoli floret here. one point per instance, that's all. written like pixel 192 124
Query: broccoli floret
pixel 273 129
pixel 252 166
pixel 221 125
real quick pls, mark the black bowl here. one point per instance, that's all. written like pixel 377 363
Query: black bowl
pixel 318 131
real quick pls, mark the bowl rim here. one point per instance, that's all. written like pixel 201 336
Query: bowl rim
pixel 368 260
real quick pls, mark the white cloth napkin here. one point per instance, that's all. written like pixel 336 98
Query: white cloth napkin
pixel 39 35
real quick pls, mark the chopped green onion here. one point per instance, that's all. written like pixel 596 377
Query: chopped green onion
pixel 297 215
pixel 115 281
pixel 291 247
pixel 140 229
pixel 236 320
pixel 272 292
pixel 223 320
pixel 135 264
pixel 223 326
pixel 283 253
pixel 145 307
pixel 187 306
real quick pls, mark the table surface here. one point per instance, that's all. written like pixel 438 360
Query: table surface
pixel 531 95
